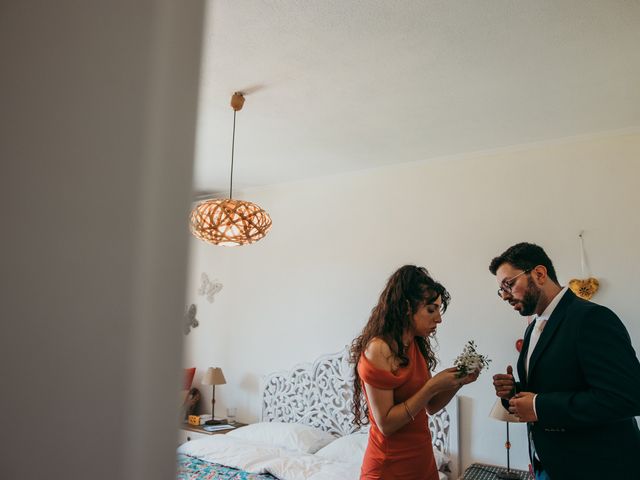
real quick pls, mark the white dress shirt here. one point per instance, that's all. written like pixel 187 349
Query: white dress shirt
pixel 540 322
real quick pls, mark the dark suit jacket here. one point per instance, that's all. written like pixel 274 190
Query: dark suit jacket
pixel 587 377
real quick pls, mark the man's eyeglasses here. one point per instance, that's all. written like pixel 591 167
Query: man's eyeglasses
pixel 507 285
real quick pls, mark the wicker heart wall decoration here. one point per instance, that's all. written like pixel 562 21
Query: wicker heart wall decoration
pixel 584 288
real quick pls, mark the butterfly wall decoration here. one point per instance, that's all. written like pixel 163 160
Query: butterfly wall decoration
pixel 190 320
pixel 209 288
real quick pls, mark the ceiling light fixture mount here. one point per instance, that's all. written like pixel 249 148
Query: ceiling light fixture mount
pixel 226 221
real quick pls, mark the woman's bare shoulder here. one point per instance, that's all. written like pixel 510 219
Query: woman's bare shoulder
pixel 379 354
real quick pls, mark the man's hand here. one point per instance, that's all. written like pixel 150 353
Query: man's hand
pixel 521 405
pixel 504 384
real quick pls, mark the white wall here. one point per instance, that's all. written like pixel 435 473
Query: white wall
pixel 308 287
pixel 98 111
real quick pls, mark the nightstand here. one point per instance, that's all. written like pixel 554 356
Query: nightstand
pixel 479 471
pixel 189 432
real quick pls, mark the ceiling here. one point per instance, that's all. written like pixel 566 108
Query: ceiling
pixel 337 86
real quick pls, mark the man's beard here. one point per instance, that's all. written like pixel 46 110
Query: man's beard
pixel 530 299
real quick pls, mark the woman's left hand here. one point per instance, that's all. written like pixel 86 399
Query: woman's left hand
pixel 472 377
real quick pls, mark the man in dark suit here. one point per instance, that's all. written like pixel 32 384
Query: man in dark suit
pixel 579 387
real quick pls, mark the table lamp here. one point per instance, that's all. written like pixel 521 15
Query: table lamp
pixel 213 377
pixel 498 412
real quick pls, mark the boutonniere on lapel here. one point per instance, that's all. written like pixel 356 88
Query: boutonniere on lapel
pixel 584 288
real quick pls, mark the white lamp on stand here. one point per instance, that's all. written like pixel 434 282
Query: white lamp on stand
pixel 213 377
pixel 498 412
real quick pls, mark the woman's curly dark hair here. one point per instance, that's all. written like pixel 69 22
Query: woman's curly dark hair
pixel 406 291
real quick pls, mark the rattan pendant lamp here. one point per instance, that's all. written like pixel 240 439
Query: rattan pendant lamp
pixel 225 221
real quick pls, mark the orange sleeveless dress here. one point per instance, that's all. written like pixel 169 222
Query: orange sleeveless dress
pixel 406 454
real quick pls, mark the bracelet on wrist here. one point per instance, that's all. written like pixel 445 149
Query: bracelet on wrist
pixel 406 407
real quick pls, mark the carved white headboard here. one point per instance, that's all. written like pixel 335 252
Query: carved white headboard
pixel 320 395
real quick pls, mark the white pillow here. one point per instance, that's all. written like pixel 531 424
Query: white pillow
pixel 292 436
pixel 350 449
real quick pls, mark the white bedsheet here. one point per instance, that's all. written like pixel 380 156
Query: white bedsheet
pixel 257 458
pixel 281 463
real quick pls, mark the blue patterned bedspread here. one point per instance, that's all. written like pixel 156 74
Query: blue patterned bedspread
pixel 191 468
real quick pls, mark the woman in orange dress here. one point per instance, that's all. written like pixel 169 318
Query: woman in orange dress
pixel 393 359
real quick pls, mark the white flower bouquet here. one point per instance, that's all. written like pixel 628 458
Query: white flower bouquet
pixel 470 360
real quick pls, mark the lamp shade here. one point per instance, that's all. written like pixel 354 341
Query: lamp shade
pixel 498 412
pixel 214 376
pixel 226 221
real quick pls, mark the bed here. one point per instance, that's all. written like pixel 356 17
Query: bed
pixel 305 433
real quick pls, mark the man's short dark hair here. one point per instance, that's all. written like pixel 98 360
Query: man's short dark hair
pixel 524 256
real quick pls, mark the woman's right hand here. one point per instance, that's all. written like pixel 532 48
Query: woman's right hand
pixel 447 379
